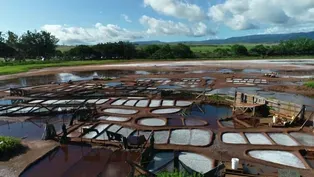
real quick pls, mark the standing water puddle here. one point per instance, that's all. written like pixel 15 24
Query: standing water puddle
pixel 82 161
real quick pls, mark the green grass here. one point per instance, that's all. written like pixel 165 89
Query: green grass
pixel 12 68
pixel 9 147
pixel 29 64
pixel 211 48
pixel 309 84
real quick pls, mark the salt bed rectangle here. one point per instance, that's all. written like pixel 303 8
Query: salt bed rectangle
pixel 92 101
pixel 102 101
pixel 62 102
pixel 303 138
pixel 118 102
pixel 114 128
pixel 125 131
pixel 76 102
pixel 49 101
pixel 168 103
pixel 35 101
pixel 161 137
pixel 200 137
pixel 102 136
pixel 233 138
pixel 154 103
pixel 183 103
pixel 130 103
pixel 180 137
pixel 257 138
pixel 142 103
pixel 282 139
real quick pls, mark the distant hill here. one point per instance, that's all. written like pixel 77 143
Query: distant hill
pixel 263 38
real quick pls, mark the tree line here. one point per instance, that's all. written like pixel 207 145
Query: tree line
pixel 42 45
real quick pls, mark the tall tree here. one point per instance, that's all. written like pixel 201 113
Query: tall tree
pixel 239 50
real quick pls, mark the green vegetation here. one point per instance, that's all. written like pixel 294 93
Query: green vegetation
pixel 217 99
pixel 23 53
pixel 176 174
pixel 15 67
pixel 309 84
pixel 9 147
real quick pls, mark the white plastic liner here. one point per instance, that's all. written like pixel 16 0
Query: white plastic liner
pixel 49 101
pixel 196 162
pixel 26 110
pixel 142 103
pixel 75 102
pixel 102 136
pixel 120 111
pixel 155 122
pixel 168 103
pixel 160 159
pixel 12 109
pixel 91 101
pixel 130 103
pixel 125 131
pixel 161 137
pixel 113 118
pixel 200 137
pixel 282 139
pixel 180 137
pixel 303 138
pixel 166 111
pixel 118 102
pixel 35 101
pixel 154 103
pixel 233 138
pixel 62 102
pixel 93 134
pixel 257 138
pixel 279 157
pixel 114 128
pixel 102 101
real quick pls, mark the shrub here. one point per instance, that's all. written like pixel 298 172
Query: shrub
pixel 9 147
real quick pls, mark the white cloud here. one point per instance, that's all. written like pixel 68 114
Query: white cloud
pixel 249 14
pixel 98 34
pixel 126 18
pixel 177 8
pixel 162 27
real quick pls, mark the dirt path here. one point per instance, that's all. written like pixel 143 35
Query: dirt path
pixel 16 165
pixel 171 65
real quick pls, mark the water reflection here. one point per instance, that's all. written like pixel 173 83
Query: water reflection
pixel 32 129
pixel 82 161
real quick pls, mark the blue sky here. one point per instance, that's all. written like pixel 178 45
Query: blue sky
pixel 93 21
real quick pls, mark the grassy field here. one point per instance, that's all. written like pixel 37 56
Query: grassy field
pixel 24 67
pixel 16 67
pixel 64 48
pixel 211 48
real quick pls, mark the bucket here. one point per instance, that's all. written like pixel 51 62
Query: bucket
pixel 274 119
pixel 234 163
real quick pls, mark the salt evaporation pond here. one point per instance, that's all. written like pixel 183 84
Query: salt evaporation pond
pixel 130 103
pixel 279 157
pixel 198 163
pixel 180 137
pixel 154 103
pixel 118 102
pixel 233 138
pixel 166 111
pixel 161 137
pixel 282 139
pixel 257 138
pixel 154 122
pixel 183 103
pixel 120 111
pixel 142 103
pixel 93 134
pixel 303 138
pixel 114 118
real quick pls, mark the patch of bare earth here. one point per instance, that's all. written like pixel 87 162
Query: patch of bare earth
pixel 36 149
